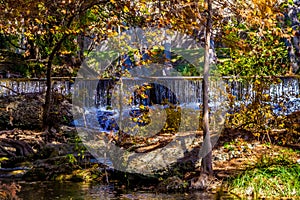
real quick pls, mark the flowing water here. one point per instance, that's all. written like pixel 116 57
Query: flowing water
pixel 109 100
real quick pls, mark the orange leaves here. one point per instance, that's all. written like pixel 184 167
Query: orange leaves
pixel 259 12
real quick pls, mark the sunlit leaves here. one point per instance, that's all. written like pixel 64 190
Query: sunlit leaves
pixel 255 37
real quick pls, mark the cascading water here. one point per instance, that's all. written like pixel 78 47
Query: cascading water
pixel 185 92
pixel 292 16
pixel 181 93
pixel 285 96
pixel 25 86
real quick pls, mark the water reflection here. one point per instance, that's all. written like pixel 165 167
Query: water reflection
pixel 82 191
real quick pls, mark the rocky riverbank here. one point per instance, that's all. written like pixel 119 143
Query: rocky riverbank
pixel 168 162
pixel 25 111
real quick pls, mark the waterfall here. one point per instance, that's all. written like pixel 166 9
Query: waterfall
pixel 25 86
pixel 182 92
pixel 175 91
pixel 292 15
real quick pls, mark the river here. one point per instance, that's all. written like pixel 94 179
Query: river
pixel 83 191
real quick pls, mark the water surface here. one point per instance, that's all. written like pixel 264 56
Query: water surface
pixel 83 191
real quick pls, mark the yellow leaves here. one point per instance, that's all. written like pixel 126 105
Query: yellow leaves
pixel 52 31
pixel 289 29
pixel 65 52
pixel 268 115
pixel 266 97
pixel 142 107
pixel 257 82
pixel 270 21
pixel 262 13
pixel 29 35
pixel 147 87
pixel 37 20
pixel 231 97
pixel 256 134
pixel 111 33
pixel 126 9
pixel 143 8
pixel 144 96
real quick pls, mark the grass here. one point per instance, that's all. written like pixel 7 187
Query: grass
pixel 274 176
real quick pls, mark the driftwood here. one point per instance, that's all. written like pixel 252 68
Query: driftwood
pixel 21 148
pixel 141 144
pixel 30 137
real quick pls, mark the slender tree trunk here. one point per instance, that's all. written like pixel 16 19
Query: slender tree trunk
pixel 206 164
pixel 202 181
pixel 47 105
pixel 80 54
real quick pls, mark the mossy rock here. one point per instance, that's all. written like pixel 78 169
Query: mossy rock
pixel 80 175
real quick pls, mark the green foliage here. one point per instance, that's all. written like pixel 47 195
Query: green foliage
pixel 71 158
pixel 156 55
pixel 187 70
pixel 229 146
pixel 173 120
pixel 252 54
pixel 273 176
pixel 79 147
pixel 254 113
pixel 5 41
pixel 14 62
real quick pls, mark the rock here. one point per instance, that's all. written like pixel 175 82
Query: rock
pixel 21 111
pixel 35 174
pixel 158 161
pixel 54 150
pixel 173 184
pixel 200 183
pixel 26 111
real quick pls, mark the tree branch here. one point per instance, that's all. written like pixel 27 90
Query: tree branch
pixel 9 89
pixel 10 42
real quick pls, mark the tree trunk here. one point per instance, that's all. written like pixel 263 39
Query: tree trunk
pixel 206 163
pixel 80 54
pixel 47 105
